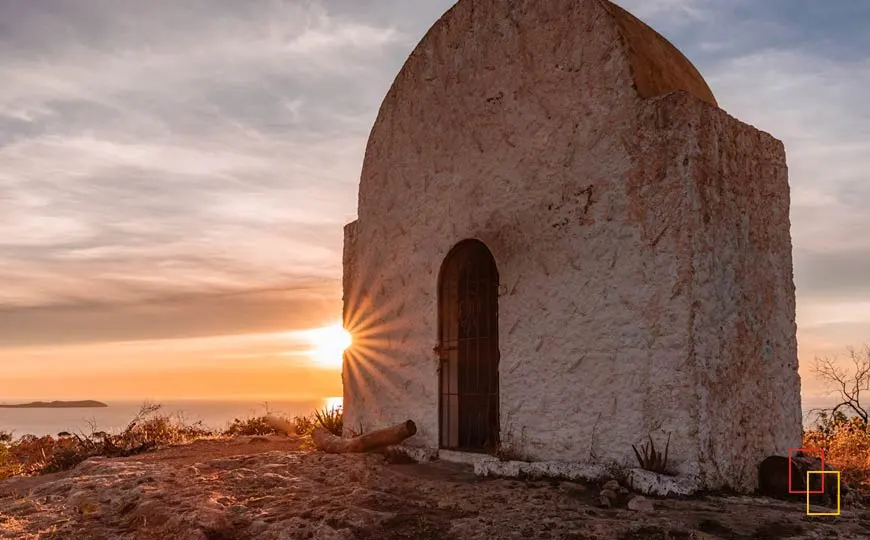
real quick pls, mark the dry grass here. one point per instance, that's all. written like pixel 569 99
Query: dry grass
pixel 846 442
pixel 253 426
pixel 5 454
pixel 150 429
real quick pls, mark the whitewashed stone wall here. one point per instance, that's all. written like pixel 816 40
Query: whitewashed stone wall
pixel 641 236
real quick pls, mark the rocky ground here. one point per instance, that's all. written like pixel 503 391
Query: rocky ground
pixel 268 488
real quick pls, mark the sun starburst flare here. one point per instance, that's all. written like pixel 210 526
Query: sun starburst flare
pixel 329 344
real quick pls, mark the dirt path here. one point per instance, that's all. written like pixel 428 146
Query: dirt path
pixel 269 489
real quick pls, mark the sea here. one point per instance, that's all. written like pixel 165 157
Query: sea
pixel 212 413
pixel 114 418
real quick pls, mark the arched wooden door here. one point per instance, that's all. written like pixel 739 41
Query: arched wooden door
pixel 468 348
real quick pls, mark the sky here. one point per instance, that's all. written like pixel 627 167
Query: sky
pixel 175 175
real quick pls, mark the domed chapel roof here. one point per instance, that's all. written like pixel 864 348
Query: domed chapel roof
pixel 484 43
pixel 658 66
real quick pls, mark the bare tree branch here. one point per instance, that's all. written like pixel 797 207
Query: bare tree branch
pixel 847 385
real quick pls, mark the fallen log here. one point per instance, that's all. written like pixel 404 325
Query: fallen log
pixel 332 444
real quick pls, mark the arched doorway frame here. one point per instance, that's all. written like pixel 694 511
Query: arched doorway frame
pixel 468 349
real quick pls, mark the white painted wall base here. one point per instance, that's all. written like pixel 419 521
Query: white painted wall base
pixel 542 469
pixel 638 480
pixel 650 483
pixel 468 458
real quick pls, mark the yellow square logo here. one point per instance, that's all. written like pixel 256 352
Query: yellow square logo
pixel 837 513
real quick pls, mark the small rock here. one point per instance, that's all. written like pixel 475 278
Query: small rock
pixel 612 485
pixel 572 489
pixel 607 498
pixel 89 508
pixel 641 504
pixel 83 501
pixel 257 527
pixel 212 519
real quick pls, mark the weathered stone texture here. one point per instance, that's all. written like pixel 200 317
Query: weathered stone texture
pixel 641 237
pixel 744 332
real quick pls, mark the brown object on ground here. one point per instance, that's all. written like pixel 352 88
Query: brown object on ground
pixel 393 435
pixel 773 479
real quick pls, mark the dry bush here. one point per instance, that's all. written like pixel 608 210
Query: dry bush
pixel 159 430
pixel 29 454
pixel 304 425
pixel 148 430
pixel 7 465
pixel 256 425
pixel 846 443
pixel 842 431
pixel 260 425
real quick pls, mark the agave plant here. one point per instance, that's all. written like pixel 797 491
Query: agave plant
pixel 330 419
pixel 652 460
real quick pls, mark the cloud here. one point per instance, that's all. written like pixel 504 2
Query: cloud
pixel 676 11
pixel 797 70
pixel 206 148
pixel 254 381
pixel 812 103
pixel 808 89
pixel 192 315
pixel 185 148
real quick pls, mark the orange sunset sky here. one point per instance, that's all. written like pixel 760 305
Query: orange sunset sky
pixel 174 178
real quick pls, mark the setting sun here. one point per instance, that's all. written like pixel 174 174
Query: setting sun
pixel 329 344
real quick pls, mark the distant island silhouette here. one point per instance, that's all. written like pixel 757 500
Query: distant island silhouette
pixel 89 403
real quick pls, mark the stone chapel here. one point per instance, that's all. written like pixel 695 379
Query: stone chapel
pixel 564 247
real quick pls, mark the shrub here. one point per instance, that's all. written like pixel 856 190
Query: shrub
pixel 652 460
pixel 146 431
pixel 5 461
pixel 5 440
pixel 846 443
pixel 845 439
pixel 304 425
pixel 253 426
pixel 35 455
pixel 332 420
